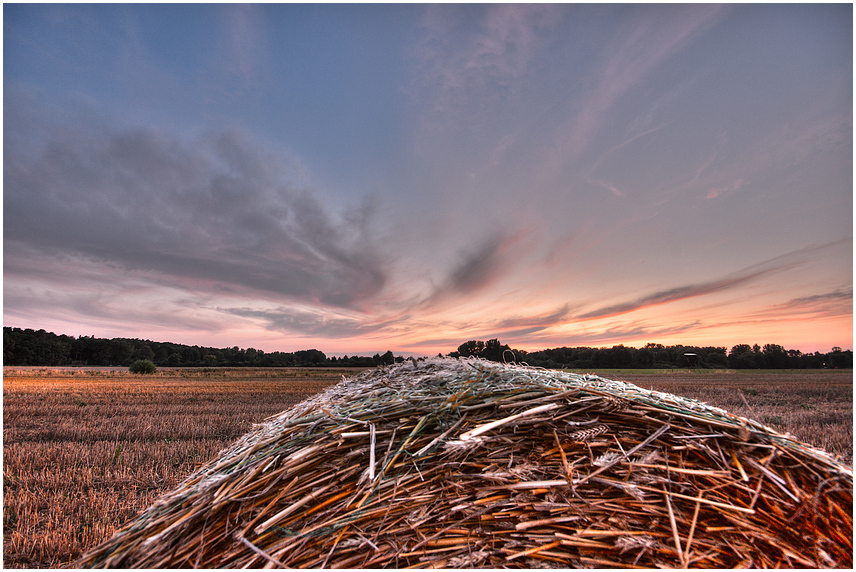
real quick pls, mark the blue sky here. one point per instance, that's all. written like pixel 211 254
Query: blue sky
pixel 409 177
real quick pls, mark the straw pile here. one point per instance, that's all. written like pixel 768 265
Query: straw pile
pixel 467 463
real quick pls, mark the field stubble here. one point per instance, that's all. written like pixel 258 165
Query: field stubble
pixel 815 406
pixel 85 451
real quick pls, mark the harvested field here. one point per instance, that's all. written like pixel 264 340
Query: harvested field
pixel 86 450
pixel 815 406
pixel 462 463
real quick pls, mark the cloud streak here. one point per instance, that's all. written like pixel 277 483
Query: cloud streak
pixel 642 45
pixel 737 280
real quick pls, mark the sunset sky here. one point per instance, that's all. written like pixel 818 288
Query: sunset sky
pixel 359 179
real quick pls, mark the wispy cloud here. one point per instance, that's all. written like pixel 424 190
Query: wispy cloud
pixel 470 56
pixel 592 175
pixel 248 37
pixel 642 45
pixel 611 334
pixel 528 325
pixel 728 189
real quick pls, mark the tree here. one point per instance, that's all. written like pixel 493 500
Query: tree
pixel 776 356
pixel 839 359
pixel 471 348
pixel 741 356
pixel 143 366
pixel 493 350
pixel 310 357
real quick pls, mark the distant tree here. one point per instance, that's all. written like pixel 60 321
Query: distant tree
pixel 253 355
pixel 210 360
pixel 174 359
pixel 471 348
pixel 143 366
pixel 121 352
pixel 645 357
pixel 776 356
pixel 741 356
pixel 839 359
pixel 493 350
pixel 716 357
pixel 310 357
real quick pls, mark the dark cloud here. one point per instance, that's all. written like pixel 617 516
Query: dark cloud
pixel 526 326
pixel 830 304
pixel 614 335
pixel 539 321
pixel 777 264
pixel 94 297
pixel 477 267
pixel 671 295
pixel 316 323
pixel 219 208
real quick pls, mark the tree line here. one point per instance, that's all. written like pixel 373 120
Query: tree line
pixel 41 348
pixel 658 356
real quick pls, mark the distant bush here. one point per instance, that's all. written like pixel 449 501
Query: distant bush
pixel 143 366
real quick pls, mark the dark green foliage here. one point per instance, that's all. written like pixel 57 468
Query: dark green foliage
pixel 491 350
pixel 658 356
pixel 143 366
pixel 41 348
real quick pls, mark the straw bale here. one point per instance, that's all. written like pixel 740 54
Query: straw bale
pixel 467 463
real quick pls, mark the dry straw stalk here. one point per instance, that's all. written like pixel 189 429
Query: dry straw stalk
pixel 468 463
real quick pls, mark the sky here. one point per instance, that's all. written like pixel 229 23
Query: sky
pixel 406 177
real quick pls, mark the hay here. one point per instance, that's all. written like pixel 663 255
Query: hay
pixel 467 463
